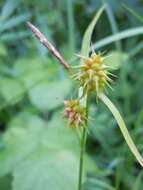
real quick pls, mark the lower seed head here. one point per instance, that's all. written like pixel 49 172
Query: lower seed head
pixel 74 113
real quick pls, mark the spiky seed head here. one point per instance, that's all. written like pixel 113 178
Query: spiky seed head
pixel 74 113
pixel 93 74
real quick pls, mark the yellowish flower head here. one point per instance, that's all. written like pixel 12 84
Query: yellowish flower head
pixel 93 74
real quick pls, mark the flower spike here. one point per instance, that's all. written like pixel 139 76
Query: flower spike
pixel 93 74
pixel 75 113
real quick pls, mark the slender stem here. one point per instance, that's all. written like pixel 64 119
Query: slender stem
pixel 82 150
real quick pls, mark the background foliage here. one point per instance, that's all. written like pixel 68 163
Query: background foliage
pixel 37 150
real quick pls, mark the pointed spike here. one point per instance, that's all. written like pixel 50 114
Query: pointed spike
pixel 96 85
pixel 109 85
pixel 92 48
pixel 103 52
pixel 109 73
pixel 108 78
pixel 81 56
pixel 105 67
pixel 106 57
pixel 76 74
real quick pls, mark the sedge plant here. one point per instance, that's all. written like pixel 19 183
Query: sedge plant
pixel 92 76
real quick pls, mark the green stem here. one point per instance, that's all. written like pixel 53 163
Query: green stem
pixel 82 149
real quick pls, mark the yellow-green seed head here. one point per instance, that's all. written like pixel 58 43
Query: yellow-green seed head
pixel 92 73
pixel 75 113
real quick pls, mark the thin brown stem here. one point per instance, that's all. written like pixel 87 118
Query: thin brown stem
pixel 43 40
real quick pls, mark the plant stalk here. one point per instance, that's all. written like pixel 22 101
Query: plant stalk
pixel 82 149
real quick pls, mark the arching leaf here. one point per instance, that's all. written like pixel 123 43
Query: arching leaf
pixel 122 126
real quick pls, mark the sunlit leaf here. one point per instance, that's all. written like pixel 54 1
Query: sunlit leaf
pixel 45 169
pixel 11 90
pixel 19 141
pixel 49 95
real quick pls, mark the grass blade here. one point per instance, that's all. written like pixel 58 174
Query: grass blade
pixel 135 50
pixel 134 13
pixel 122 126
pixel 112 21
pixel 118 36
pixel 14 21
pixel 88 33
pixel 138 182
pixel 12 36
pixel 8 8
pixel 98 183
pixel 71 26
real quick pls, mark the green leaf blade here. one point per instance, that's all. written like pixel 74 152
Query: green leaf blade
pixel 118 36
pixel 122 126
pixel 47 169
pixel 134 13
pixel 49 95
pixel 88 33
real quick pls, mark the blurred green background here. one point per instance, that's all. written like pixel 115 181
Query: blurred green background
pixel 37 149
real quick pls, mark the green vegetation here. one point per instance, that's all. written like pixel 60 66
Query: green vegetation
pixel 38 150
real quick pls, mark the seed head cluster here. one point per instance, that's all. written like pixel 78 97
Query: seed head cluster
pixel 93 74
pixel 75 113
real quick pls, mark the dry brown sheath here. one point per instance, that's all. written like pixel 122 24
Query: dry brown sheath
pixel 43 40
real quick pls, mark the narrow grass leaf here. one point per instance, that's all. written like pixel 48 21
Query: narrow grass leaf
pixel 138 182
pixel 134 13
pixel 88 33
pixel 8 8
pixel 118 36
pixel 14 21
pixel 122 126
pixel 135 50
pixel 71 26
pixel 112 21
pixel 13 36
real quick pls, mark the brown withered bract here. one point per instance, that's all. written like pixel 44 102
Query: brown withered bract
pixel 43 40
